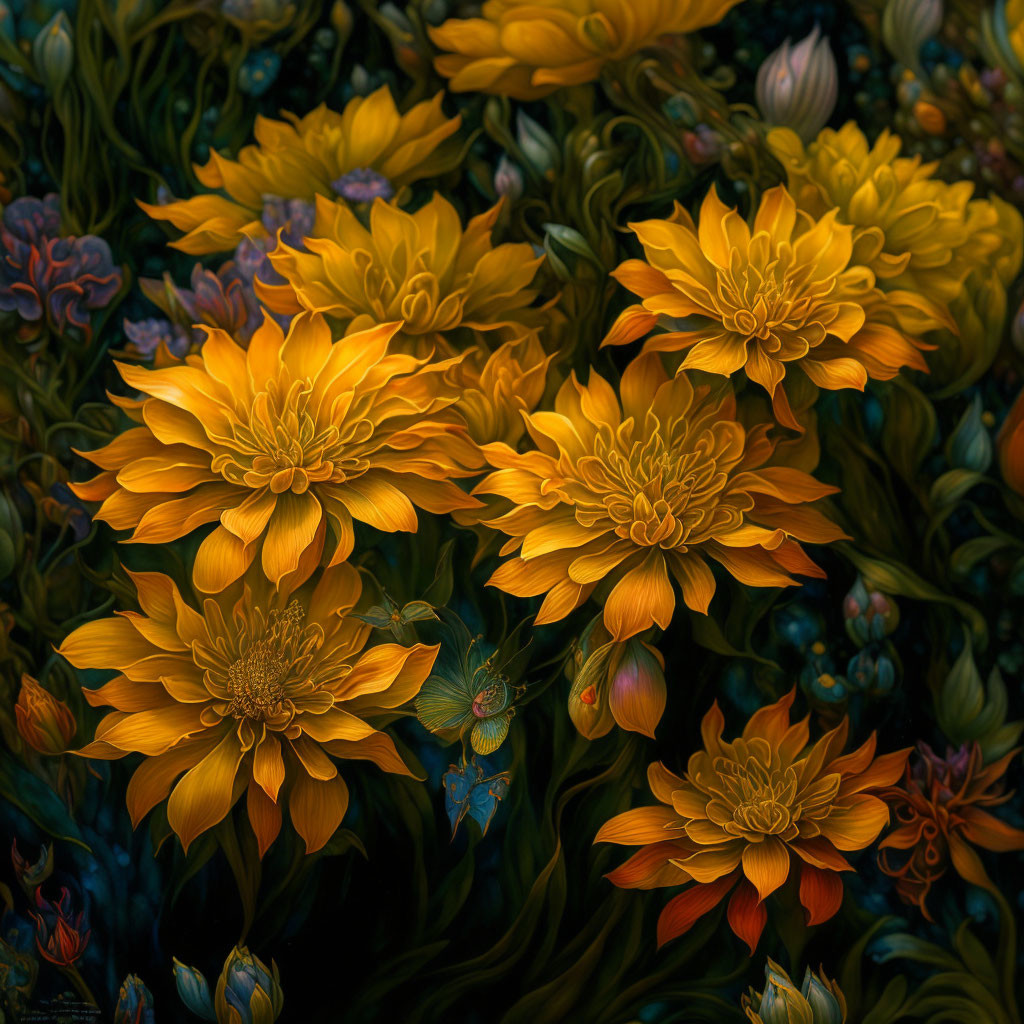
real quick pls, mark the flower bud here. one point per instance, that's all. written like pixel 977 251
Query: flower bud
pixel 508 178
pixel 588 699
pixel 53 52
pixel 970 446
pixel 134 1003
pixel 539 149
pixel 907 25
pixel 247 993
pixel 45 723
pixel 869 615
pixel 637 693
pixel 824 998
pixel 32 874
pixel 193 990
pixel 797 86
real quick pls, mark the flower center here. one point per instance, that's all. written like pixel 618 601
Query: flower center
pixel 762 798
pixel 665 491
pixel 285 448
pixel 257 679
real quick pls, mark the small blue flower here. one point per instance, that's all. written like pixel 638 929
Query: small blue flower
pixel 259 72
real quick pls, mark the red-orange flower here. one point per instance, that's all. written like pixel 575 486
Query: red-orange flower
pixel 747 811
pixel 939 817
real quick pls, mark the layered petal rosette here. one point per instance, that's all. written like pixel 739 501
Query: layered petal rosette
pixel 527 49
pixel 784 294
pixel 323 153
pixel 442 282
pixel 747 814
pixel 920 236
pixel 621 490
pixel 280 444
pixel 254 692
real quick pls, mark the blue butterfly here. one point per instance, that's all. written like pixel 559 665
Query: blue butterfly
pixel 468 790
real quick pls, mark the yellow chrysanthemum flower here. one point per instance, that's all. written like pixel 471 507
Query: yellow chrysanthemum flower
pixel 322 154
pixel 279 441
pixel 256 693
pixel 420 268
pixel 787 292
pixel 527 49
pixel 620 490
pixel 496 389
pixel 917 233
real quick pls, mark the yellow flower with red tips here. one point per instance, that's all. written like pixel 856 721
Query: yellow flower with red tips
pixel 442 282
pixel 620 490
pixel 278 444
pixel 255 693
pixel 747 813
pixel 301 158
pixel 527 49
pixel 785 294
pixel 918 234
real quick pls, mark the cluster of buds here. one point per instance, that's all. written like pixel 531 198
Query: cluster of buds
pixel 247 992
pixel 869 614
pixel 817 1001
pixel 615 683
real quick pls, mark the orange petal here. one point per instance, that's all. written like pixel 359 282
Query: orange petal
pixel 683 911
pixel 317 808
pixel 642 597
pixel 662 781
pixel 771 722
pixel 821 893
pixel 651 867
pixel 983 829
pixel 766 864
pixel 205 794
pixel 264 816
pixel 640 826
pixel 152 780
pixel 857 823
pixel 747 915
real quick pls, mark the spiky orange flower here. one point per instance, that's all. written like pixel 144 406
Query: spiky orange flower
pixel 620 490
pixel 746 812
pixel 940 815
pixel 301 158
pixel 529 48
pixel 277 443
pixel 420 268
pixel 256 693
pixel 782 295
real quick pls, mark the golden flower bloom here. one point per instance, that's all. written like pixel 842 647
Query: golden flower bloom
pixel 917 233
pixel 255 691
pixel 419 268
pixel 44 722
pixel 496 389
pixel 279 441
pixel 302 158
pixel 746 812
pixel 529 48
pixel 622 489
pixel 786 292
